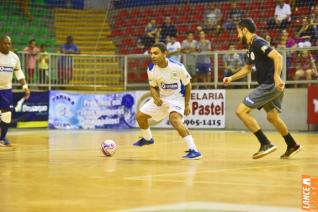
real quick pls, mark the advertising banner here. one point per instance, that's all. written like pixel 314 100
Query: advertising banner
pixel 32 112
pixel 312 104
pixel 207 109
pixel 91 111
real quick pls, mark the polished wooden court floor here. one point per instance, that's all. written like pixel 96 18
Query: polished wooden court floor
pixel 56 170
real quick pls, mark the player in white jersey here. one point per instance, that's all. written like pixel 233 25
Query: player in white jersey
pixel 170 89
pixel 9 63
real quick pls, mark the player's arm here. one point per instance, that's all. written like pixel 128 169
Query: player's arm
pixel 243 72
pixel 278 65
pixel 154 91
pixel 188 89
pixel 21 78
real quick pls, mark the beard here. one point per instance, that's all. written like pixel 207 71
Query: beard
pixel 244 40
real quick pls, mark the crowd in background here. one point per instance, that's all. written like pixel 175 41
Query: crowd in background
pixel 300 65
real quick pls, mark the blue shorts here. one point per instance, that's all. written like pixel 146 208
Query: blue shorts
pixel 6 99
pixel 203 68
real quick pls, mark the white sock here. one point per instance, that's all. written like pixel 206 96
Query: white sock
pixel 189 140
pixel 146 134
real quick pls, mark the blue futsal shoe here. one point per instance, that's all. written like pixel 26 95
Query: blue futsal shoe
pixel 5 142
pixel 143 142
pixel 192 154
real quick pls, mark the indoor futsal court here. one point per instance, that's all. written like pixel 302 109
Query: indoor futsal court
pixel 59 170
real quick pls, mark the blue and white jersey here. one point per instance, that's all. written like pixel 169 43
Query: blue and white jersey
pixel 170 80
pixel 9 63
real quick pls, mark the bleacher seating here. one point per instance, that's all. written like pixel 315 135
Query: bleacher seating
pixel 129 23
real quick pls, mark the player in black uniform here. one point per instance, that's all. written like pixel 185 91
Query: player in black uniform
pixel 268 94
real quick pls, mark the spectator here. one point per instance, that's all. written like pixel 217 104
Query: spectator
pixel 232 62
pixel 24 5
pixel 314 22
pixel 203 63
pixel 188 47
pixel 305 66
pixel 269 39
pixel 174 49
pixel 285 41
pixel 167 30
pixel 43 64
pixel 65 68
pixel 151 30
pixel 213 17
pixel 288 42
pixel 235 16
pixel 30 59
pixel 282 16
pixel 306 33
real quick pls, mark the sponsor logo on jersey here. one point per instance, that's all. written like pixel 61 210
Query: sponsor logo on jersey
pixel 6 69
pixel 172 86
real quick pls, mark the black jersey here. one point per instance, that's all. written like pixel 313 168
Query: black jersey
pixel 257 55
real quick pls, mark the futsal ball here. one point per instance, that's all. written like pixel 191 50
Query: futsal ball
pixel 108 147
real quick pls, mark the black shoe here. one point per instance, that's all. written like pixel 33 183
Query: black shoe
pixel 264 150
pixel 291 151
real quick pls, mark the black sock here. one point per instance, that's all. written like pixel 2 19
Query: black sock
pixel 289 140
pixel 4 130
pixel 261 137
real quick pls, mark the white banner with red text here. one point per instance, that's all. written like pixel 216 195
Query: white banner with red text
pixel 207 109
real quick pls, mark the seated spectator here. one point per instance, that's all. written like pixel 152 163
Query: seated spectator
pixel 232 62
pixel 188 47
pixel 174 49
pixel 30 59
pixel 43 64
pixel 151 30
pixel 167 29
pixel 235 16
pixel 306 33
pixel 282 16
pixel 314 22
pixel 213 17
pixel 269 39
pixel 305 66
pixel 203 63
pixel 285 41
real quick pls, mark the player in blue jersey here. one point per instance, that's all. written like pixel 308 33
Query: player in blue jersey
pixel 170 89
pixel 9 64
pixel 269 93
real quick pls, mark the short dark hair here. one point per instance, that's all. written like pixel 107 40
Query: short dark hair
pixel 160 46
pixel 247 23
pixel 32 40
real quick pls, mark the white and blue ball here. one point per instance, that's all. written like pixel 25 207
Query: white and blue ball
pixel 108 147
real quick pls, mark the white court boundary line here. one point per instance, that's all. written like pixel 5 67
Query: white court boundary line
pixel 216 171
pixel 215 206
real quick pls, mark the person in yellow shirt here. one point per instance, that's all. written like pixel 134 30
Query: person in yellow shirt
pixel 43 64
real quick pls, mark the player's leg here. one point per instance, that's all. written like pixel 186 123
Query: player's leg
pixel 147 111
pixel 5 105
pixel 176 120
pixel 309 74
pixel 256 99
pixel 273 108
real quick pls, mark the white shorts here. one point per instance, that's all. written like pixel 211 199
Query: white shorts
pixel 160 112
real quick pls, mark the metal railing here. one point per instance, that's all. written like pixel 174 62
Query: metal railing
pixel 118 72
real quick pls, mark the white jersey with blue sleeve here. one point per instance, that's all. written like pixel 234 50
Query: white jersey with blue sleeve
pixel 170 80
pixel 9 63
